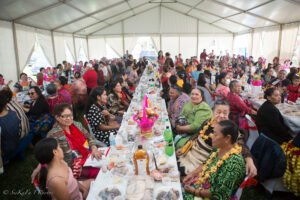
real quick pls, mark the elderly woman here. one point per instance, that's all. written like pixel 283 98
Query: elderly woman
pixel 269 119
pixel 102 122
pixel 223 171
pixel 196 111
pixel 197 149
pixel 176 103
pixel 38 113
pixel 76 142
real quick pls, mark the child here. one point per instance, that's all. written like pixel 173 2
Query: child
pixel 294 89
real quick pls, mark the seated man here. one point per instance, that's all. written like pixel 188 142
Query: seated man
pixel 239 107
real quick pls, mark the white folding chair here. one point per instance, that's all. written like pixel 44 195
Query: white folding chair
pixel 253 132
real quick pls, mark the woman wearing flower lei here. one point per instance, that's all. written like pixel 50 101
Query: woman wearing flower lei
pixel 224 170
pixel 193 154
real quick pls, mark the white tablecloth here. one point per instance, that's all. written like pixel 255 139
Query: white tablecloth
pixel 290 113
pixel 107 179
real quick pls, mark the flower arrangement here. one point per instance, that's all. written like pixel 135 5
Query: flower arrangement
pixel 256 80
pixel 146 118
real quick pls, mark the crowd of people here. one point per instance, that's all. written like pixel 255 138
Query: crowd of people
pixel 205 107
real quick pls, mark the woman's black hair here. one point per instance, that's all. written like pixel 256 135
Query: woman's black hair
pixel 187 88
pixel 269 92
pixel 97 91
pixel 59 108
pixel 201 80
pixel 77 74
pixel 177 88
pixel 51 89
pixel 267 70
pixel 3 100
pixel 173 80
pixel 38 91
pixel 96 66
pixel 220 77
pixel 229 128
pixel 44 154
pixel 22 74
pixel 63 80
pixel 219 103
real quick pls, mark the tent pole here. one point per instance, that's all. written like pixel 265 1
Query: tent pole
pixel 53 45
pixel 232 46
pixel 16 48
pixel 279 41
pixel 87 45
pixel 197 37
pixel 123 39
pixel 160 38
pixel 75 55
pixel 178 44
pixel 160 41
pixel 251 46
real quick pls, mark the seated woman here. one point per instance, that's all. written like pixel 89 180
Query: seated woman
pixel 56 179
pixel 196 111
pixel 222 89
pixel 269 120
pixel 223 171
pixel 198 148
pixel 203 85
pixel 117 100
pixel 24 83
pixel 53 98
pixel 176 103
pixel 38 114
pixel 76 142
pixel 10 130
pixel 61 86
pixel 102 122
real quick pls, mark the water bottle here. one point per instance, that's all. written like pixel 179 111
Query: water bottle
pixel 112 141
pixel 168 136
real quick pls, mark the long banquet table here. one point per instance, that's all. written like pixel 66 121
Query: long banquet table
pixel 154 146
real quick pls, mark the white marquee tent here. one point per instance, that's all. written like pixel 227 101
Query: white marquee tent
pixel 262 27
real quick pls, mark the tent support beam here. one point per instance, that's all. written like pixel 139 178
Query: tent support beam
pixel 197 37
pixel 16 48
pixel 75 54
pixel 252 41
pixel 160 38
pixel 279 41
pixel 191 8
pixel 88 48
pixel 53 45
pixel 123 38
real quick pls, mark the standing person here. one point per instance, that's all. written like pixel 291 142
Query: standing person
pixel 56 178
pixel 203 55
pixel 91 78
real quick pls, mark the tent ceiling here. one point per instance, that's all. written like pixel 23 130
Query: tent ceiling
pixel 91 16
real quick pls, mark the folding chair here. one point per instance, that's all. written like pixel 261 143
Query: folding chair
pixel 98 143
pixel 253 132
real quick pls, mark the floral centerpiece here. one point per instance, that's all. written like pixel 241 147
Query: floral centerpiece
pixel 146 118
pixel 256 84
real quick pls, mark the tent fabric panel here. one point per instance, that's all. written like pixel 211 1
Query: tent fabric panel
pixel 90 6
pixel 179 7
pixel 265 43
pixel 8 66
pixel 207 28
pixel 173 22
pixel 250 20
pixel 78 25
pixel 45 41
pixel 188 46
pixel 53 17
pixel 110 12
pixel 231 26
pixel 116 44
pixel 170 44
pixel 242 42
pixel 96 48
pixel 93 28
pixel 130 42
pixel 147 22
pixel 10 10
pixel 204 16
pixel 156 42
pixel 244 5
pixel 114 29
pixel 59 47
pixel 134 3
pixel 119 17
pixel 220 43
pixel 216 8
pixel 288 40
pixel 26 38
pixel 281 11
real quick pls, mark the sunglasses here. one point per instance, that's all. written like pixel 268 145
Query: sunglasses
pixel 30 93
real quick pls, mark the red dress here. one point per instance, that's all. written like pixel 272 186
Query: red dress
pixel 293 92
pixel 91 78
